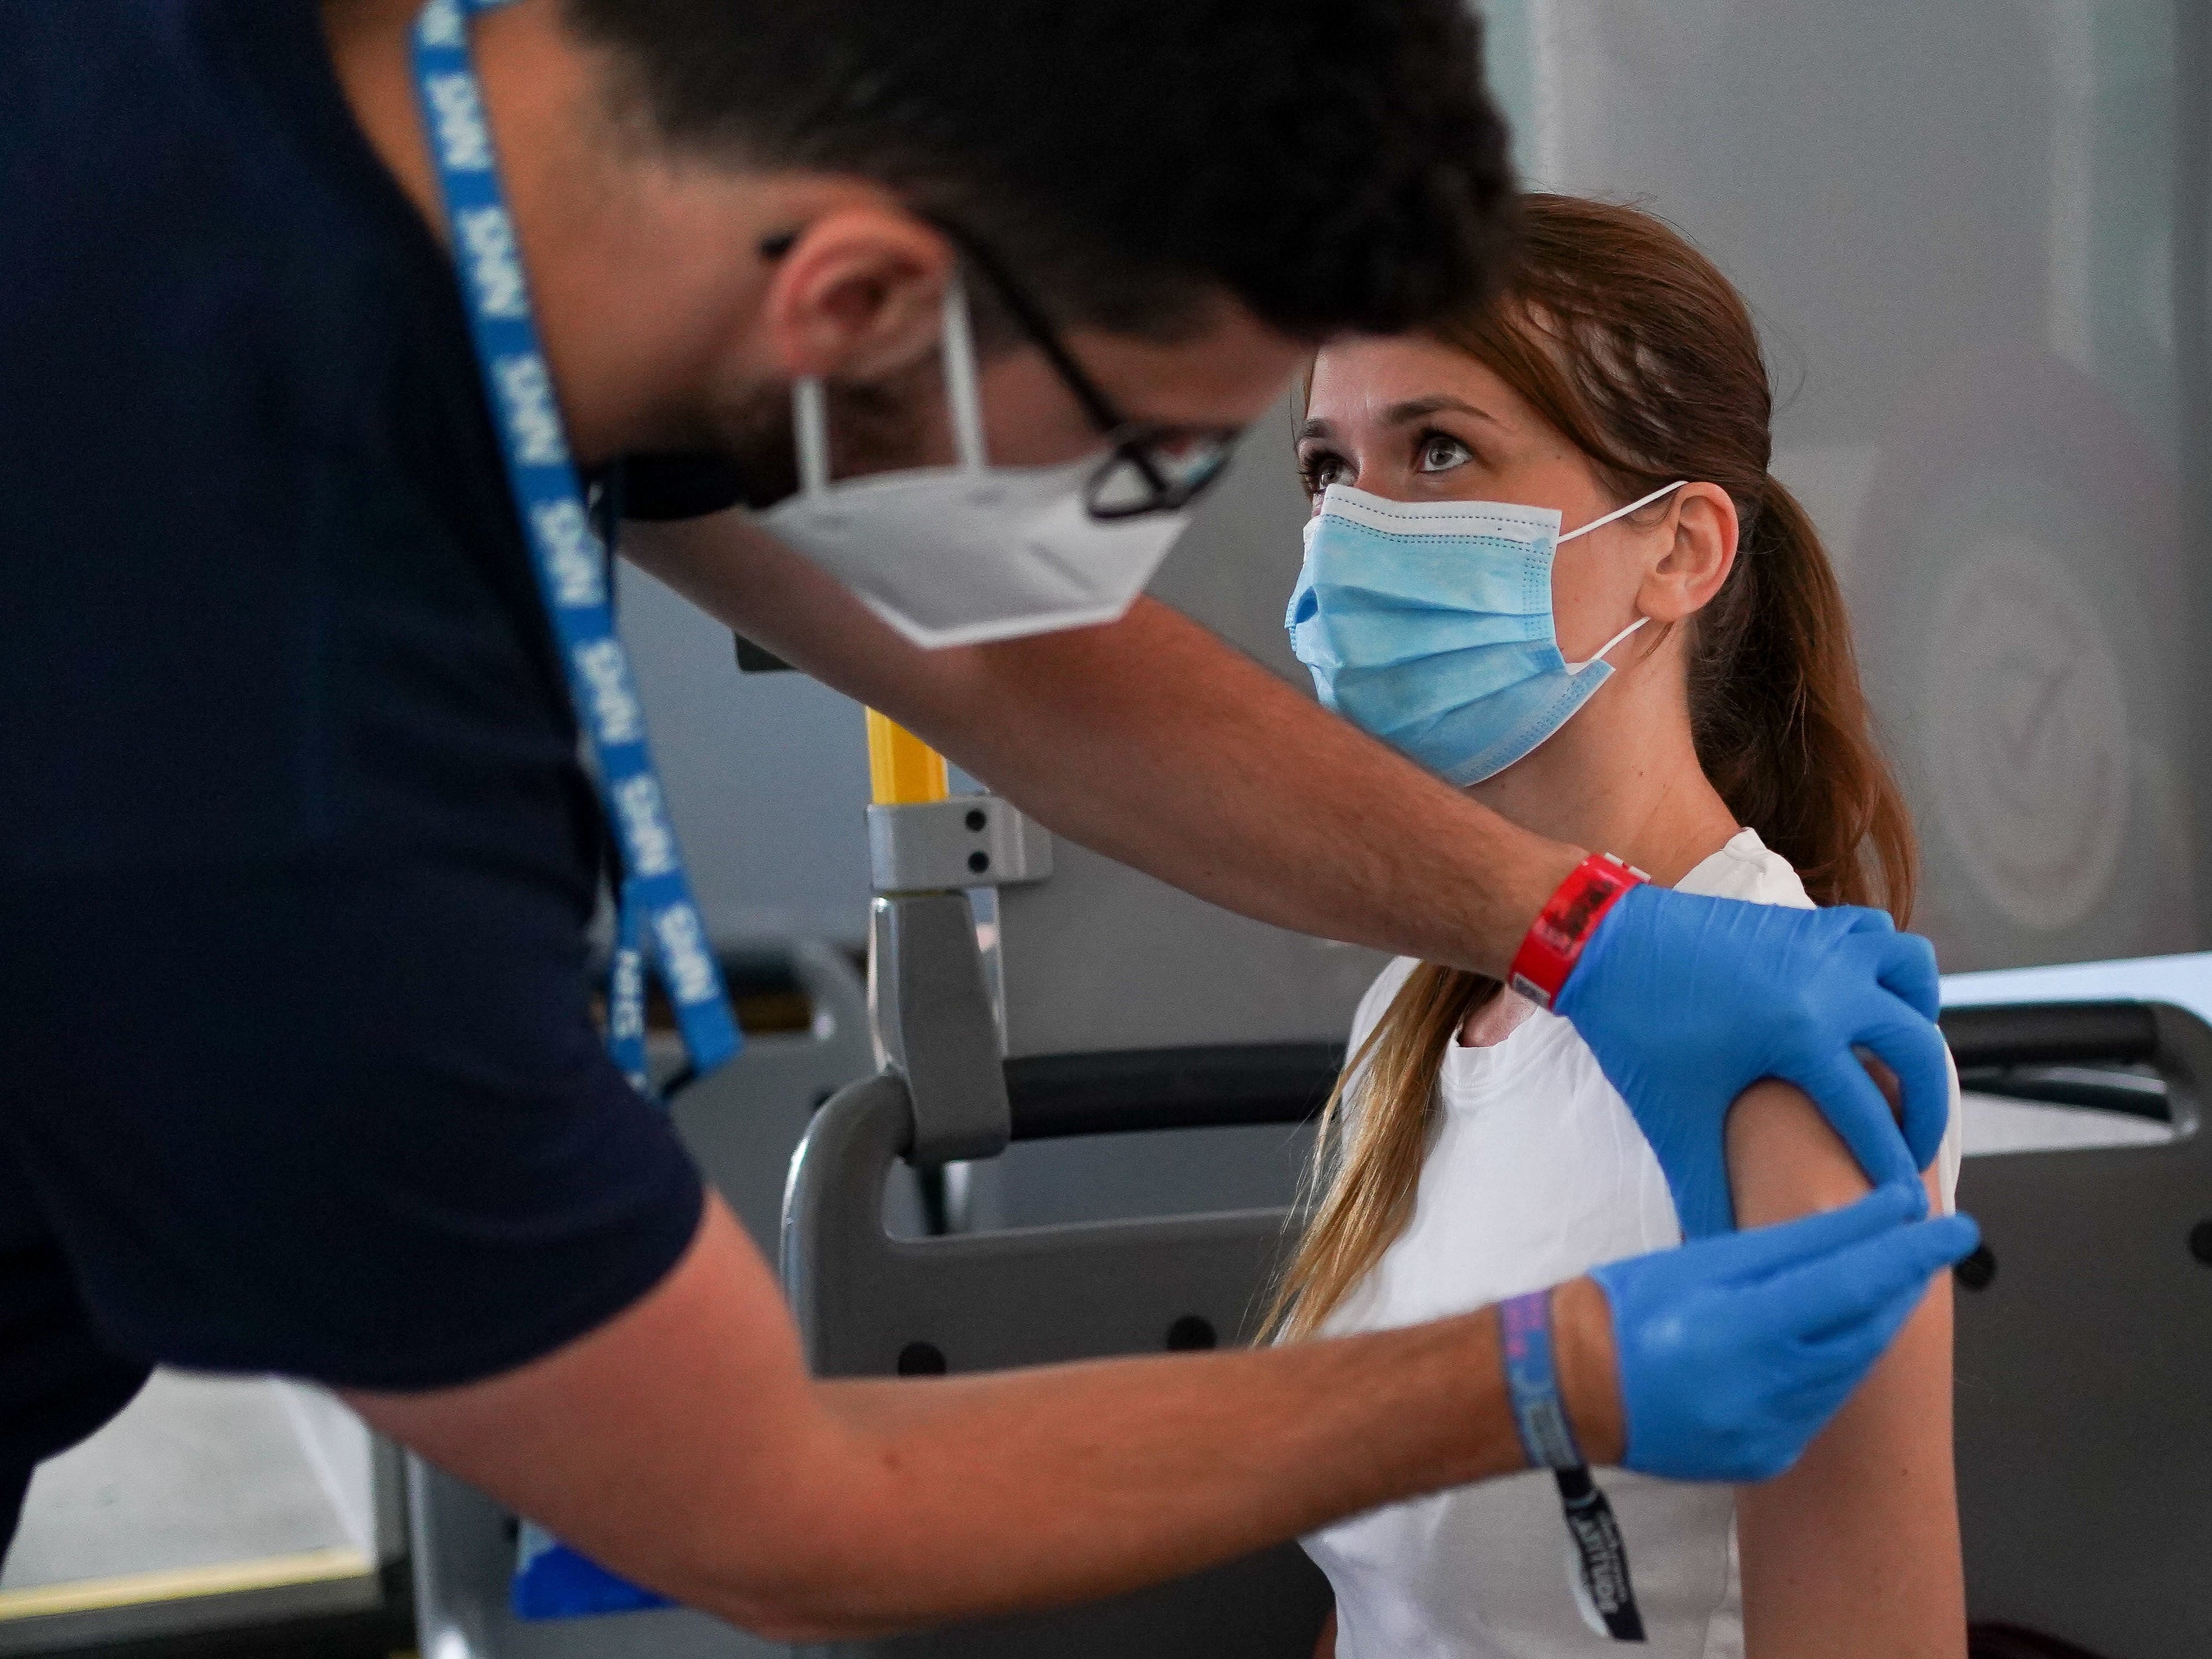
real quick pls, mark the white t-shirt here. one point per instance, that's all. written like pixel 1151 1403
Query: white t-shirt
pixel 1537 1174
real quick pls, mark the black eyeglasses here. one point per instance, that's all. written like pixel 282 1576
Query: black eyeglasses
pixel 1149 466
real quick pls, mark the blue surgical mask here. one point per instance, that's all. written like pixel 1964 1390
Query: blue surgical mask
pixel 1430 624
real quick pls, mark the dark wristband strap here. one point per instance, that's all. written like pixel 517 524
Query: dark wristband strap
pixel 1601 1554
pixel 1548 1438
pixel 1555 940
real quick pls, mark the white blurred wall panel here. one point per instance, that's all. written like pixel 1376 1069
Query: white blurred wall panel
pixel 767 776
pixel 1972 233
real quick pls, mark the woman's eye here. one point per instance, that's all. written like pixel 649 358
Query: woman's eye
pixel 1440 453
pixel 1322 470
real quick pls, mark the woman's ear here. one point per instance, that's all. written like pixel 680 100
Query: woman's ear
pixel 858 296
pixel 1697 561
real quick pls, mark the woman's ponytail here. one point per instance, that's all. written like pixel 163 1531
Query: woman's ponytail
pixel 1782 724
pixel 1373 1139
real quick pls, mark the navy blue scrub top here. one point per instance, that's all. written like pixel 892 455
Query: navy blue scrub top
pixel 297 1066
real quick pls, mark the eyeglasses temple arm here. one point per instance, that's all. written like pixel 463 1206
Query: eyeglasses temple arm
pixel 1098 408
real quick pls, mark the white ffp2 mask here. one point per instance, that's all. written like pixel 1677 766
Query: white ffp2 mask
pixel 965 554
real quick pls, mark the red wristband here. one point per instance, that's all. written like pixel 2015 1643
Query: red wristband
pixel 1564 926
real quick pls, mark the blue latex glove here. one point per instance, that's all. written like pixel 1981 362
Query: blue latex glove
pixel 1687 1001
pixel 1733 1353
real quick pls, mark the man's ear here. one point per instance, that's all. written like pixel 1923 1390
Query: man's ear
pixel 1698 560
pixel 858 296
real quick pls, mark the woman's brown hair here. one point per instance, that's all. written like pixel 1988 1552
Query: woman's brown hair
pixel 1629 341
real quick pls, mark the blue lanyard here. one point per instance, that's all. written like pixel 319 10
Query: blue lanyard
pixel 658 918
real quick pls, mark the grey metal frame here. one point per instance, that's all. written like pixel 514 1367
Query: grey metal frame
pixel 966 841
pixel 2084 1440
pixel 868 1303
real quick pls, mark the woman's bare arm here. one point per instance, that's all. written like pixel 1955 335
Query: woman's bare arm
pixel 1325 1646
pixel 1856 1550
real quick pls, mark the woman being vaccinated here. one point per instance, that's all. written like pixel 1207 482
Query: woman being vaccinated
pixel 1546 560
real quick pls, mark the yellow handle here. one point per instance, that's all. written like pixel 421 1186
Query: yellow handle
pixel 902 769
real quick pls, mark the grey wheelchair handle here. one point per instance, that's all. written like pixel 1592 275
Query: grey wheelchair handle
pixel 1127 1090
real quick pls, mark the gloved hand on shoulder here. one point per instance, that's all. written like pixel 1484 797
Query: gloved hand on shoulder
pixel 1733 1353
pixel 1688 1000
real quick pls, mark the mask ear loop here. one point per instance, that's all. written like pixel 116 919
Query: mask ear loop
pixel 961 388
pixel 809 435
pixel 1618 513
pixel 1622 511
pixel 809 412
pixel 1592 661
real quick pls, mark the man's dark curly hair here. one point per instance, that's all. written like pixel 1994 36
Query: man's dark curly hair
pixel 1335 167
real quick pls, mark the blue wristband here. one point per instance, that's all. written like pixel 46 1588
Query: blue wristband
pixel 1532 1380
pixel 1607 1593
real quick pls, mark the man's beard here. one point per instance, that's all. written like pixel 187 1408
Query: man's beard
pixel 875 427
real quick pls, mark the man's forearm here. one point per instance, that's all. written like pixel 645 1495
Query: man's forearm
pixel 1159 1466
pixel 1155 1467
pixel 1153 742
pixel 684 1445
